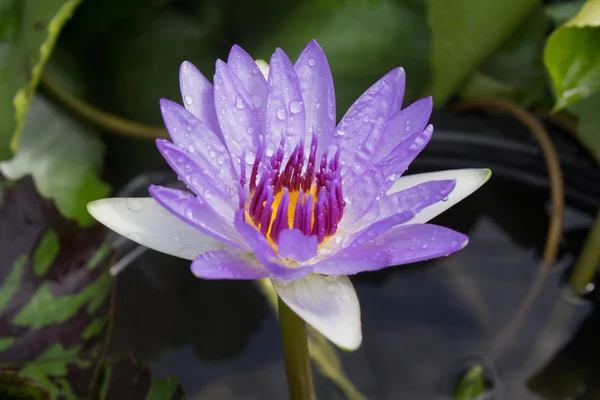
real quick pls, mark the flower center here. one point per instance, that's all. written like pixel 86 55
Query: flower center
pixel 294 196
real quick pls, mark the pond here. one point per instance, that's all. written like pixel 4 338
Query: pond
pixel 424 324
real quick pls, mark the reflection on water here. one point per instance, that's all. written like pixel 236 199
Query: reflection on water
pixel 423 324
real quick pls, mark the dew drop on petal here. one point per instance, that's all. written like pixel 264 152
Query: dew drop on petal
pixel 333 288
pixel 134 205
pixel 312 61
pixel 188 99
pixel 257 100
pixel 445 198
pixel 295 106
pixel 240 104
pixel 207 194
pixel 281 113
pixel 250 130
pixel 345 297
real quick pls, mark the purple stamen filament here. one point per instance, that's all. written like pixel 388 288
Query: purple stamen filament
pixel 291 196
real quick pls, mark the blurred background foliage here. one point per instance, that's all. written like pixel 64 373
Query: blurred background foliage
pixel 80 82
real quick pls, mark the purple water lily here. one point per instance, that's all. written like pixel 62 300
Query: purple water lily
pixel 278 191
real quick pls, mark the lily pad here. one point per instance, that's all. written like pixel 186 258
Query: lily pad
pixel 64 156
pixel 28 32
pixel 363 40
pixel 54 295
pixel 572 56
pixel 465 33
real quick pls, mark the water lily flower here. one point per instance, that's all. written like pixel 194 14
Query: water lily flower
pixel 277 190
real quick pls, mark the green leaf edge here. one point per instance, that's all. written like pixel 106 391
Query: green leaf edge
pixel 23 97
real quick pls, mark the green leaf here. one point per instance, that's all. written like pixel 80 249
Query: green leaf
pixel 515 70
pixel 562 12
pixel 14 387
pixel 28 32
pixel 322 352
pixel 587 112
pixel 572 56
pixel 46 252
pixel 465 33
pixel 471 385
pixel 363 40
pixel 54 308
pixel 64 156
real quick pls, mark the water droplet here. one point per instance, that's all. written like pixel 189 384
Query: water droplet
pixel 445 198
pixel 296 106
pixel 249 158
pixel 341 133
pixel 194 180
pixel 240 104
pixel 345 297
pixel 134 205
pixel 312 61
pixel 333 288
pixel 425 246
pixel 257 100
pixel 281 113
pixel 207 194
pixel 189 128
pixel 221 159
pixel 250 130
pixel 223 110
pixel 188 99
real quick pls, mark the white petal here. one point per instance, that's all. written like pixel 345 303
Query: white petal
pixel 329 304
pixel 146 222
pixel 467 181
pixel 263 66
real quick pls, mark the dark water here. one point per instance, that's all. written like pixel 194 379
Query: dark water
pixel 423 324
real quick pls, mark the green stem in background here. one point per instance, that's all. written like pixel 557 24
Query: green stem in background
pixel 588 260
pixel 295 353
pixel 98 117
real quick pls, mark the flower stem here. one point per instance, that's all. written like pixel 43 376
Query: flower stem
pixel 295 352
pixel 585 267
pixel 98 117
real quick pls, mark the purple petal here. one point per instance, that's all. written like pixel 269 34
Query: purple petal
pixel 190 133
pixel 318 93
pixel 238 118
pixel 198 96
pixel 285 111
pixel 382 175
pixel 401 245
pixel 295 245
pixel 359 132
pixel 406 123
pixel 199 214
pixel 255 83
pixel 412 199
pixel 194 172
pixel 265 253
pixel 345 242
pixel 400 86
pixel 227 264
